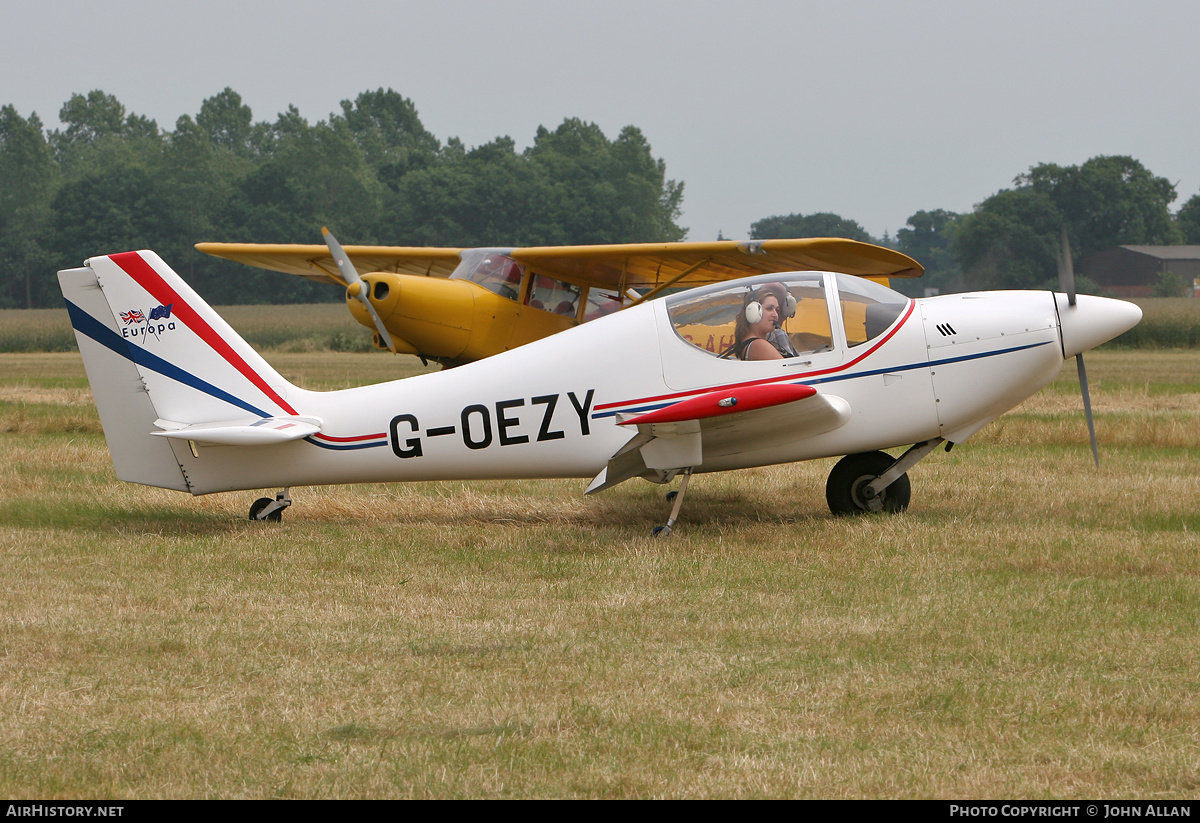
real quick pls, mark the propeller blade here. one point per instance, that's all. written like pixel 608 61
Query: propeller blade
pixel 340 258
pixel 1087 406
pixel 353 280
pixel 1066 282
pixel 1066 270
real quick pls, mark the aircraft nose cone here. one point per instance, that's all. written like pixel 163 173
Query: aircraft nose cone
pixel 1092 321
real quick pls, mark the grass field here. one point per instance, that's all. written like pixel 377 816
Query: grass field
pixel 1029 628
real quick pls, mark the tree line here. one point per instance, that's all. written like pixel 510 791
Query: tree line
pixel 1011 240
pixel 109 180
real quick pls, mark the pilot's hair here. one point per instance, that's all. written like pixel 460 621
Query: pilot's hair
pixel 758 295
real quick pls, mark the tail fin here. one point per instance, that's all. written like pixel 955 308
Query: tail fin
pixel 161 362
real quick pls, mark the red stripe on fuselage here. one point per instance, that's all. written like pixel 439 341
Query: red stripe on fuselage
pixel 349 439
pixel 789 377
pixel 144 274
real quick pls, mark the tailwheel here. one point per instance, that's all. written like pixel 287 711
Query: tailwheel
pixel 264 508
pixel 847 491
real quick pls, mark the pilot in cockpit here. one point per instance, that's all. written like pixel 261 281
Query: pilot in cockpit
pixel 757 332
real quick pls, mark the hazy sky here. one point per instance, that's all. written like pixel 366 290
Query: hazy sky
pixel 871 109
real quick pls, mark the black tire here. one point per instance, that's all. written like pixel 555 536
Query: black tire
pixel 843 490
pixel 260 504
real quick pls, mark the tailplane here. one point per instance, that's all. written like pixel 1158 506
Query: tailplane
pixel 165 369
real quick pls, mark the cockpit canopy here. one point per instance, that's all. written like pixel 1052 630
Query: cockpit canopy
pixel 493 269
pixel 496 271
pixel 707 317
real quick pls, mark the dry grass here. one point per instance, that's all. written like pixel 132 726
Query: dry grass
pixel 1027 629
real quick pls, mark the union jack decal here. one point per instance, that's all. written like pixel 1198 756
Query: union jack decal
pixel 133 316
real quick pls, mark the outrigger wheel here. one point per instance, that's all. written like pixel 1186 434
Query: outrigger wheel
pixel 845 489
pixel 264 508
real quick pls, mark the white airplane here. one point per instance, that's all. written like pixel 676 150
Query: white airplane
pixel 656 391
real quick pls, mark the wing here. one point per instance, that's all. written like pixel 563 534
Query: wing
pixel 653 266
pixel 718 424
pixel 661 265
pixel 315 263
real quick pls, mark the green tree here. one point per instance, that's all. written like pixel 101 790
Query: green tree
pixel 573 185
pixel 1107 201
pixel 482 197
pixel 929 239
pixel 118 208
pixel 387 128
pixel 1010 241
pixel 230 126
pixel 312 176
pixel 27 180
pixel 601 191
pixel 819 224
pixel 1188 221
pixel 99 134
pixel 197 179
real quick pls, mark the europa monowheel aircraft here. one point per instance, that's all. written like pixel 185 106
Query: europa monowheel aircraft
pixel 187 404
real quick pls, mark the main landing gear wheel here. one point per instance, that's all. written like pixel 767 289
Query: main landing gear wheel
pixel 260 504
pixel 844 491
pixel 264 508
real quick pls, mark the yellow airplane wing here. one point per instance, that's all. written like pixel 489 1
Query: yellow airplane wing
pixel 660 265
pixel 618 267
pixel 315 262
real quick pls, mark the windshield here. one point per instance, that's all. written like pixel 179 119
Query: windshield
pixel 713 318
pixel 868 308
pixel 493 269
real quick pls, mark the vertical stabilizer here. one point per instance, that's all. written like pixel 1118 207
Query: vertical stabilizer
pixel 126 412
pixel 157 356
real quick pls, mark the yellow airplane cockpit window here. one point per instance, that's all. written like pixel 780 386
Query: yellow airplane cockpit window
pixel 493 269
pixel 549 294
pixel 601 302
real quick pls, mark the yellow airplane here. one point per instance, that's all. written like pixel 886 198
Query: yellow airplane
pixel 454 306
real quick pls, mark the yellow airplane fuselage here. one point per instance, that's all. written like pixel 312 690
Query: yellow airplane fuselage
pixel 449 320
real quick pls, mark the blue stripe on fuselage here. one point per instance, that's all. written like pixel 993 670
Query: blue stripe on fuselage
pixel 345 447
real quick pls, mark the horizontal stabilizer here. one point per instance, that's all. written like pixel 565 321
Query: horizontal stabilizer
pixel 263 431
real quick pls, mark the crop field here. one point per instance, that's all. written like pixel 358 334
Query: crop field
pixel 1030 628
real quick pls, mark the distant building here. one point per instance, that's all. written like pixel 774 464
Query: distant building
pixel 1133 271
